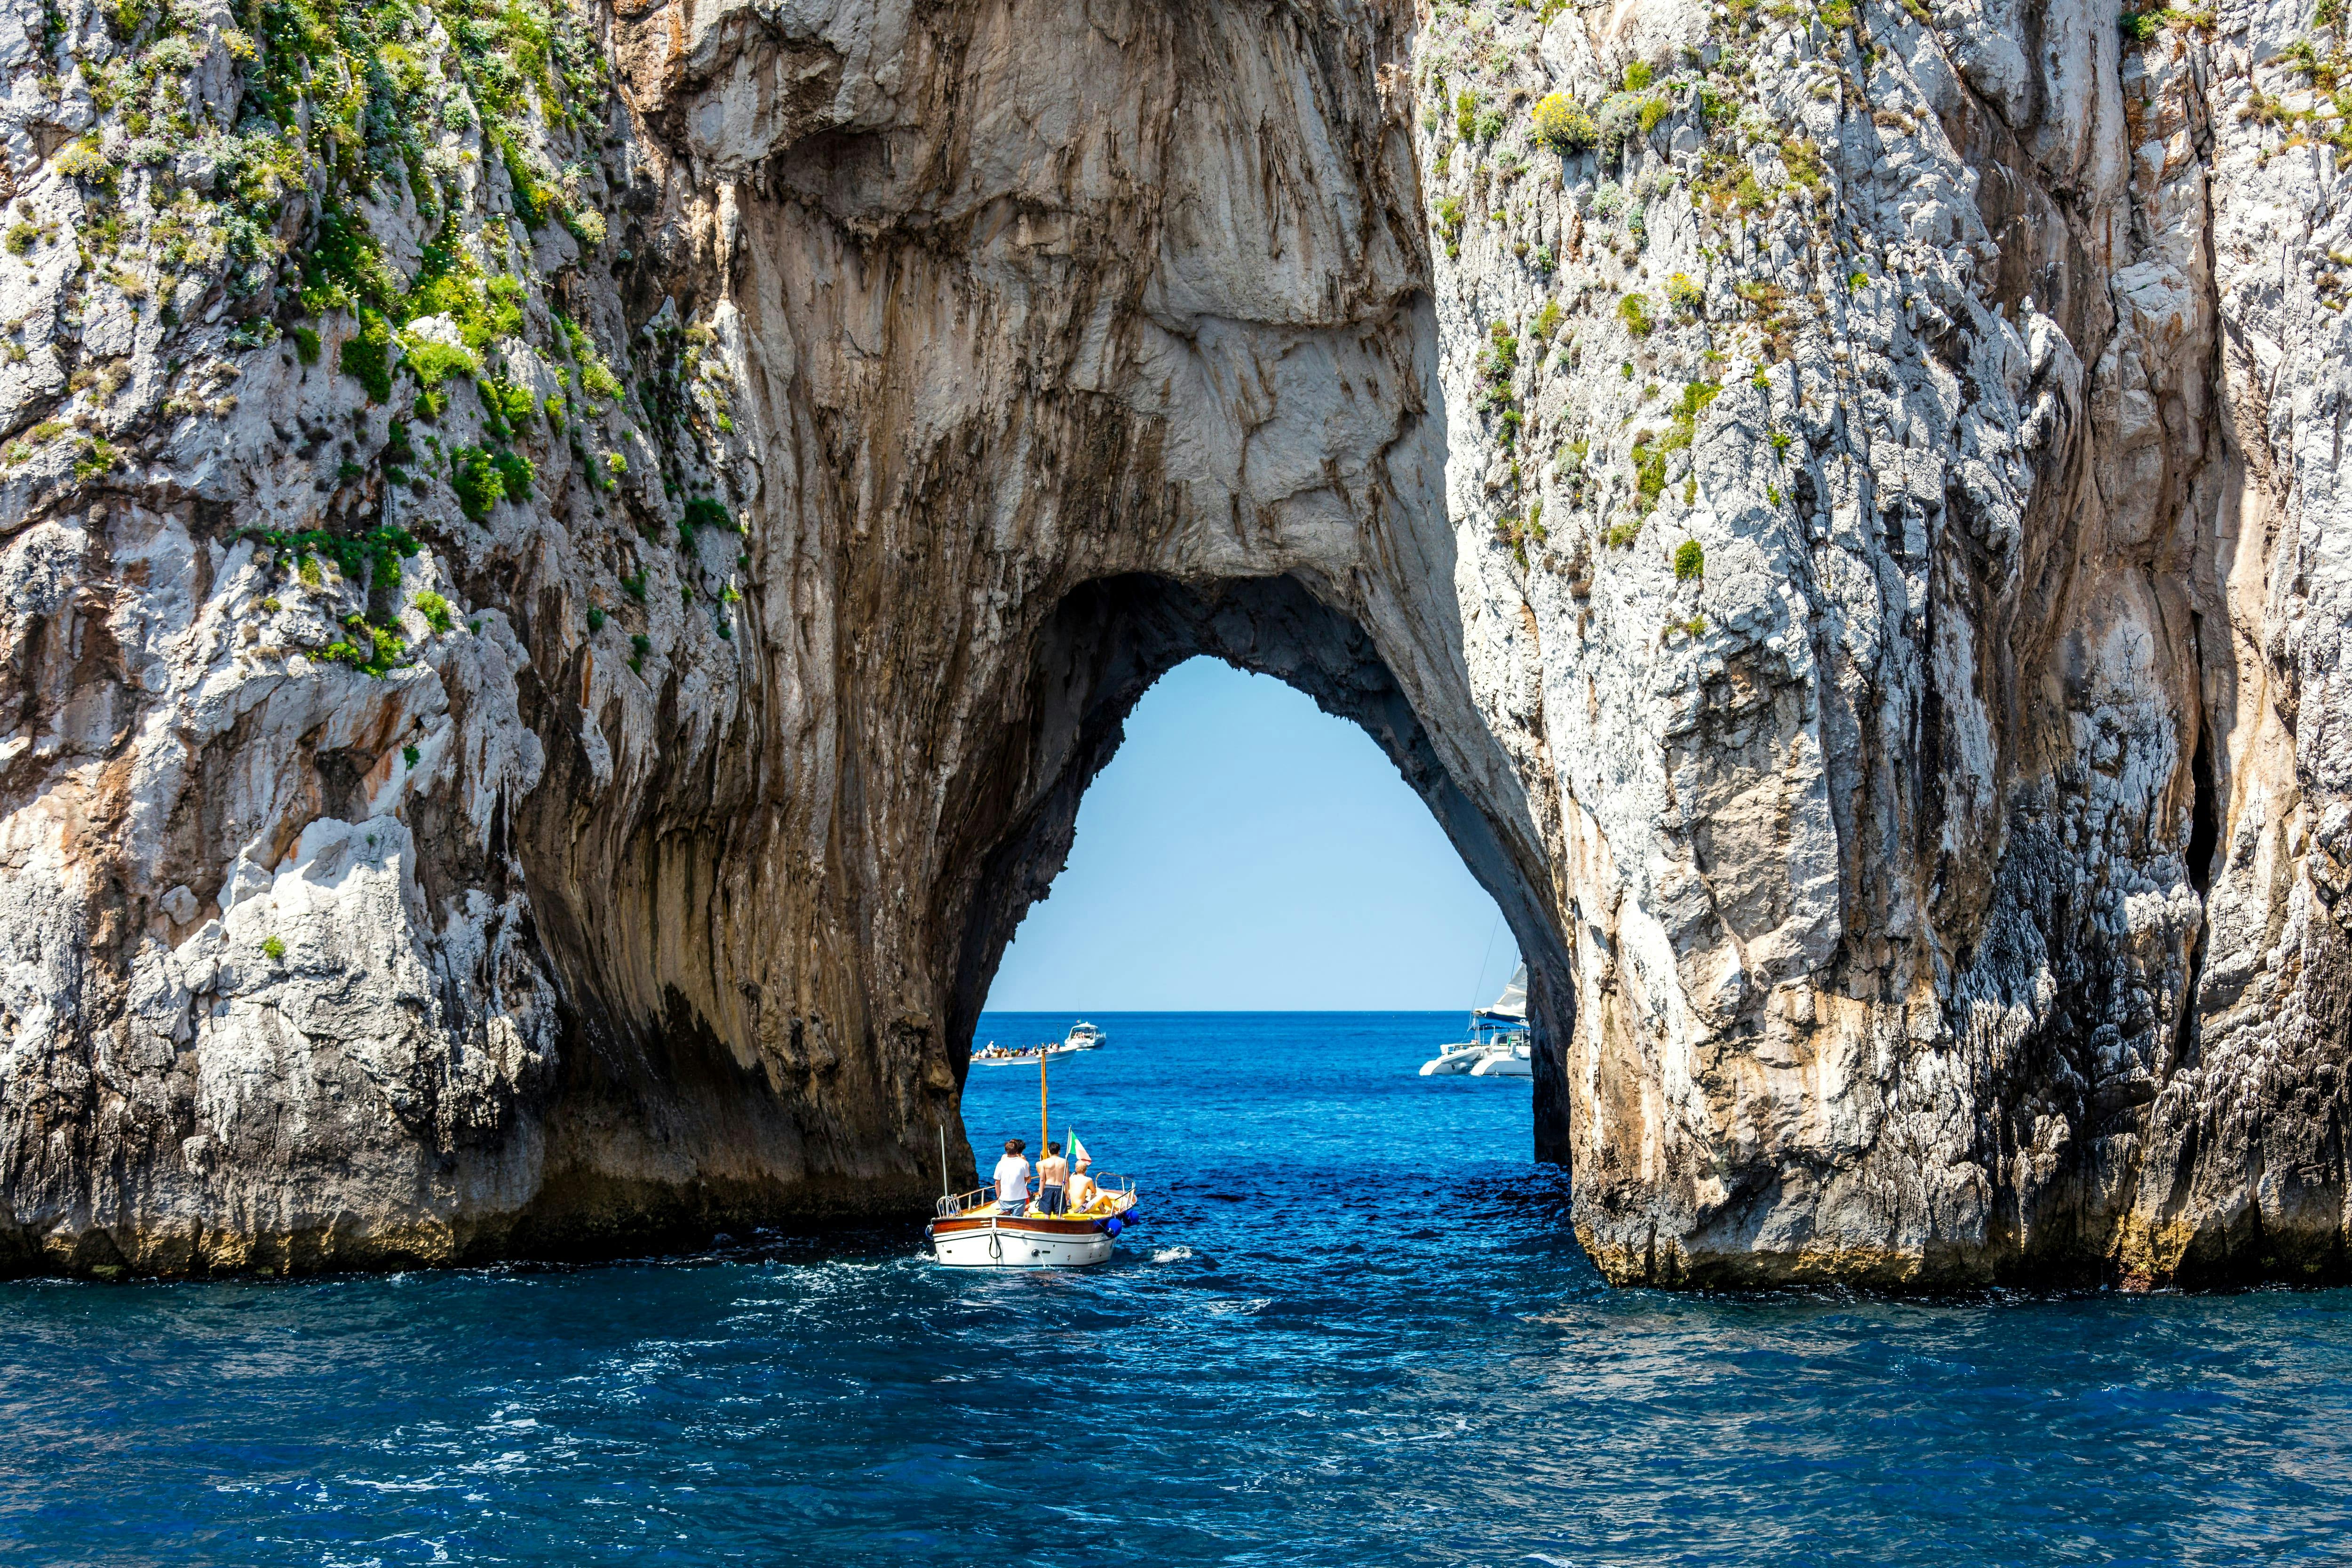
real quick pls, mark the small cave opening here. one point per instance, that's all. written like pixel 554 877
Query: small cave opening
pixel 2204 846
pixel 1105 647
pixel 2204 816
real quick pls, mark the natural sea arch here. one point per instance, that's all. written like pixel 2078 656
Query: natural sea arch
pixel 1068 345
pixel 1104 647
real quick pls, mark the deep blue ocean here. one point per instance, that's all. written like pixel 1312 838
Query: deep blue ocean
pixel 1354 1330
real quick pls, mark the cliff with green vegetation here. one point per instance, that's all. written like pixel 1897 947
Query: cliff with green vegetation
pixel 1906 433
pixel 563 572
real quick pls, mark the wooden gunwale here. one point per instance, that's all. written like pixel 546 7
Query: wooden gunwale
pixel 1039 1224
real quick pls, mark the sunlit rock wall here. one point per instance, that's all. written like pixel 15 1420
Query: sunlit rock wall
pixel 1911 434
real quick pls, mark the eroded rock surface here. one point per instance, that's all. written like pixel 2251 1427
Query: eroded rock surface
pixel 1944 843
pixel 564 574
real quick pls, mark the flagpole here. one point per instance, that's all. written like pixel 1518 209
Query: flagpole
pixel 1044 1128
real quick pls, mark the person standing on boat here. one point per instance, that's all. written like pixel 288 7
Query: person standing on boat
pixel 1013 1179
pixel 1052 1180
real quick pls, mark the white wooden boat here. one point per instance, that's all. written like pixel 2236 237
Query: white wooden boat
pixel 969 1232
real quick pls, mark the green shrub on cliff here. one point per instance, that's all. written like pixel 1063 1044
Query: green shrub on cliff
pixel 432 361
pixel 372 649
pixel 477 480
pixel 1802 158
pixel 366 357
pixel 515 474
pixel 1449 222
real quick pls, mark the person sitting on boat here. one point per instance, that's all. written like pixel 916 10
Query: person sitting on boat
pixel 1013 1179
pixel 1083 1191
pixel 1052 1180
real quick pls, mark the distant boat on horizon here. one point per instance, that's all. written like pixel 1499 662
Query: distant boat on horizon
pixel 995 1055
pixel 1083 1037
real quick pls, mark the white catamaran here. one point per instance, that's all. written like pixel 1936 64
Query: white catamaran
pixel 1498 1042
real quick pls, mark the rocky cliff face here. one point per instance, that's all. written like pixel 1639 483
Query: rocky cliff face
pixel 1919 429
pixel 564 573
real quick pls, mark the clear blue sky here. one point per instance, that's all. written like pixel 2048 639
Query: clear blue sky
pixel 1244 849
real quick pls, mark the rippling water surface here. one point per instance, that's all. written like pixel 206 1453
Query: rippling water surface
pixel 1354 1330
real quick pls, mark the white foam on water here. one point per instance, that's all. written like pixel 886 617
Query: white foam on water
pixel 1172 1254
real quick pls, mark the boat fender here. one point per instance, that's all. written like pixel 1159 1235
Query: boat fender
pixel 1113 1226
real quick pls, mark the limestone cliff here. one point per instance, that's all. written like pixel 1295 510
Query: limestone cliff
pixel 1917 427
pixel 561 573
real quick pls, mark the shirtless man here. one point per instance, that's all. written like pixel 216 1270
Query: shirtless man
pixel 1013 1179
pixel 1052 1180
pixel 1083 1191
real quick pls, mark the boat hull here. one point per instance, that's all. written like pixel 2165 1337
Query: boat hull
pixel 1003 1242
pixel 1453 1064
pixel 1504 1065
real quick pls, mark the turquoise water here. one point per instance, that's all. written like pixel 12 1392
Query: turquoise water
pixel 1353 1331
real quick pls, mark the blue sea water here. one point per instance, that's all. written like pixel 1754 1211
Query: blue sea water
pixel 1354 1330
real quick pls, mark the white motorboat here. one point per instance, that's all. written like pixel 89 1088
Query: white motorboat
pixel 1085 1037
pixel 1498 1042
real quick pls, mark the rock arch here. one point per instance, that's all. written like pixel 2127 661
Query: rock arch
pixel 1946 854
pixel 1106 645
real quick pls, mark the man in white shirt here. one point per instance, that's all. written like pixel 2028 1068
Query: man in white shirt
pixel 1013 1179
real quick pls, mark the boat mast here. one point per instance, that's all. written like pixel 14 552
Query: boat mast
pixel 1044 1128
